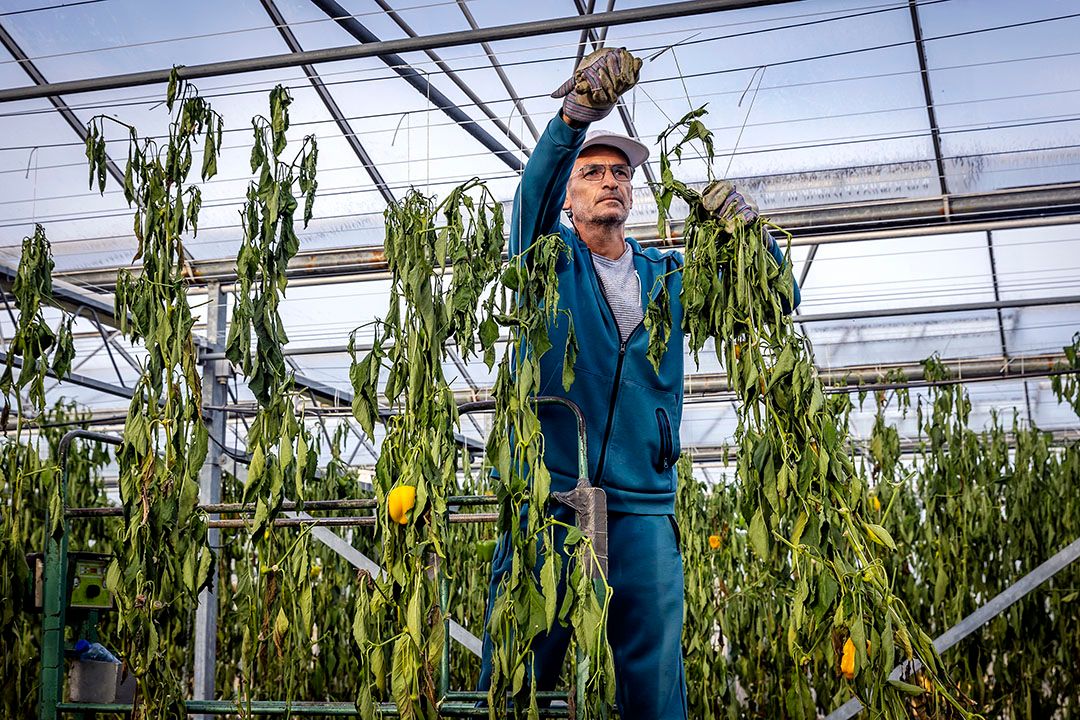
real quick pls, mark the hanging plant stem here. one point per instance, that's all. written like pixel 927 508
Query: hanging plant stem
pixel 162 561
pixel 801 497
pixel 275 593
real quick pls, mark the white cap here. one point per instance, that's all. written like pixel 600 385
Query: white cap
pixel 635 152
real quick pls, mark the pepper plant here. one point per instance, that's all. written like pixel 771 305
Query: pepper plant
pixel 429 309
pixel 29 486
pixel 803 500
pixel 33 340
pixel 275 594
pixel 161 560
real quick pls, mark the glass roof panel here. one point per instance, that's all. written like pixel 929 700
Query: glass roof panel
pixel 807 107
pixel 1006 100
pixel 898 273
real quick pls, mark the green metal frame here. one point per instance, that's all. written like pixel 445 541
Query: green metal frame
pixel 51 706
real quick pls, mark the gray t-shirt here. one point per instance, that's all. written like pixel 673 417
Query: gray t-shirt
pixel 622 286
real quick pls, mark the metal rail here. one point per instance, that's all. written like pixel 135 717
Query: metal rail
pixel 854 222
pixel 687 8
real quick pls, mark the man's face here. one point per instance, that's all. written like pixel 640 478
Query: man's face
pixel 603 202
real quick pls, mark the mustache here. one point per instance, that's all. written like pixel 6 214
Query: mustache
pixel 611 196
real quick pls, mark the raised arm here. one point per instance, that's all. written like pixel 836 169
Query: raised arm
pixel 588 96
pixel 542 189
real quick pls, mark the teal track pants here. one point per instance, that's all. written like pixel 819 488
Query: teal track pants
pixel 645 570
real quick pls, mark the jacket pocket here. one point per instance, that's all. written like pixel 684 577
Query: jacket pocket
pixel 663 460
pixel 638 454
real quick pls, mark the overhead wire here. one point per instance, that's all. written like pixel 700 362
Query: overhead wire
pixel 43 8
pixel 302 85
pixel 449 123
pixel 749 150
pixel 883 7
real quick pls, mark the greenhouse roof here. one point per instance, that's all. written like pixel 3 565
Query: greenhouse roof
pixel 925 156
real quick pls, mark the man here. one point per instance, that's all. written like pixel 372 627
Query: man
pixel 632 412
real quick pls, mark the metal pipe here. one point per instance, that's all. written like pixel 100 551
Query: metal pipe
pixel 934 309
pixel 70 117
pixel 928 96
pixel 410 75
pixel 687 8
pixel 497 66
pixel 287 505
pixel 351 521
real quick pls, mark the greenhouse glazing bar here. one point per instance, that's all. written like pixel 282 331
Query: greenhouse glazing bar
pixel 352 52
pixel 420 83
pixel 352 138
pixel 38 77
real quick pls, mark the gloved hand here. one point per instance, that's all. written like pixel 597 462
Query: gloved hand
pixel 599 80
pixel 723 200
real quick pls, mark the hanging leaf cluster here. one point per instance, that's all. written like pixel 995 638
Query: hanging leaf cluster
pixel 39 348
pixel 274 598
pixel 527 602
pixel 802 499
pixel 430 310
pixel 269 243
pixel 161 561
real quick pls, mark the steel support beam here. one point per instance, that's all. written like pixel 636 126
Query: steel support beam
pixel 710 386
pixel 70 297
pixel 463 5
pixel 214 391
pixel 928 96
pixel 81 380
pixel 457 80
pixel 328 101
pixel 977 212
pixel 410 75
pixel 687 8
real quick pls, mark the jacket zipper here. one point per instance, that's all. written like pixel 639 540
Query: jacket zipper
pixel 618 373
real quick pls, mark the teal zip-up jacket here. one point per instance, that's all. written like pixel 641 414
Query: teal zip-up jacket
pixel 632 413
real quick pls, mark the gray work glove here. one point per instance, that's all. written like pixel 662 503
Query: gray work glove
pixel 723 200
pixel 599 80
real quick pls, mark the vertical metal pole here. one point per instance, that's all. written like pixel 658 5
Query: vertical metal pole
pixel 1001 320
pixel 214 392
pixel 52 636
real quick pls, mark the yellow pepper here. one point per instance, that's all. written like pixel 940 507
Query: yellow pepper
pixel 399 502
pixel 847 662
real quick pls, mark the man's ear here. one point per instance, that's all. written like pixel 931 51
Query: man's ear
pixel 566 200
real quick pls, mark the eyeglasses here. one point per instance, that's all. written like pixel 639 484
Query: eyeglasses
pixel 595 172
